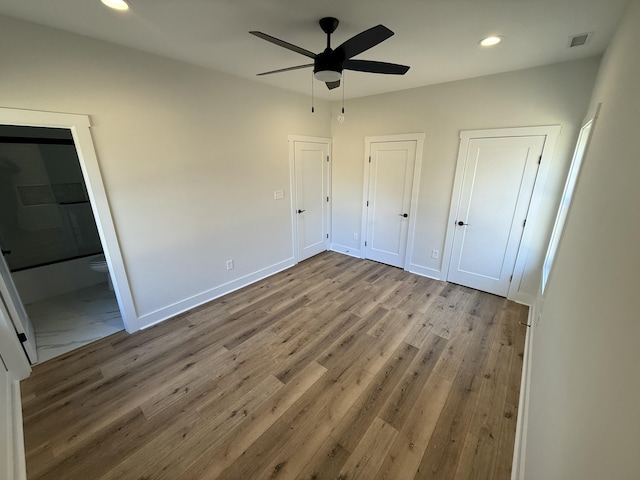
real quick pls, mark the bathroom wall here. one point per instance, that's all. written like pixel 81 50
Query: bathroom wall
pixel 45 215
pixel 38 283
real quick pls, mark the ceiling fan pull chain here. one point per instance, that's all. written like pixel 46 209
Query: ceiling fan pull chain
pixel 312 106
pixel 343 82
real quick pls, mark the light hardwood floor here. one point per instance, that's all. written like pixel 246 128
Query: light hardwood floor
pixel 338 368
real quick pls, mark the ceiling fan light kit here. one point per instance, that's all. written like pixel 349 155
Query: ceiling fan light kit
pixel 329 64
pixel 328 75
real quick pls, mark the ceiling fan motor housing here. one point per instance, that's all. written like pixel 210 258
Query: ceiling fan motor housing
pixel 329 64
pixel 328 60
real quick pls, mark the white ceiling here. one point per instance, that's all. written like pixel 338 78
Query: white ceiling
pixel 437 38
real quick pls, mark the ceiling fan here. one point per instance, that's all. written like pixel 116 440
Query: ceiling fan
pixel 329 64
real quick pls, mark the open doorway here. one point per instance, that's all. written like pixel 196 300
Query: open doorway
pixel 50 241
pixel 57 236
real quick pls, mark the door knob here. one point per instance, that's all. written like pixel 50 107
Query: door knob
pixel 461 223
pixel 300 211
pixel 405 215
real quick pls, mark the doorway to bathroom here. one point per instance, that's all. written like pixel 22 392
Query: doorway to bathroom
pixel 79 128
pixel 50 243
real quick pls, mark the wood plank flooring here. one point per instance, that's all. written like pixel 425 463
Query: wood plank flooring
pixel 338 368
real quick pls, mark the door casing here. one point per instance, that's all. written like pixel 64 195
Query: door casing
pixel 552 133
pixel 79 125
pixel 16 312
pixel 418 138
pixel 293 139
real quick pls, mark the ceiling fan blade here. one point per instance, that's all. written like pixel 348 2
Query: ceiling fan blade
pixel 332 85
pixel 375 67
pixel 286 69
pixel 364 41
pixel 282 43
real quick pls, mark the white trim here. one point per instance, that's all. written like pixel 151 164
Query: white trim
pixel 80 129
pixel 13 464
pixel 182 306
pixel 19 460
pixel 551 132
pixel 521 297
pixel 292 188
pixel 304 138
pixel 417 171
pixel 11 349
pixel 520 446
pixel 571 180
pixel 419 138
pixel 352 252
pixel 537 195
pixel 424 271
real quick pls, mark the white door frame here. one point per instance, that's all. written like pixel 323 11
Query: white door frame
pixel 551 132
pixel 79 125
pixel 408 137
pixel 293 189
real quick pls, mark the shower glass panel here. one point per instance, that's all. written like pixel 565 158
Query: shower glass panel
pixel 45 214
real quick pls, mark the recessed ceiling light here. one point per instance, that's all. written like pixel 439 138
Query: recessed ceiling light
pixel 116 4
pixel 491 41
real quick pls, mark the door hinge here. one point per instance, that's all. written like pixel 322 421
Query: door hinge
pixel 327 158
pixel 369 158
pixel 365 244
pixel 524 223
pixel 511 278
pixel 327 199
pixel 539 159
pixel 327 235
pixel 22 337
pixel 367 203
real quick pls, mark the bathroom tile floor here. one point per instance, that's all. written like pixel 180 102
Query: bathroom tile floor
pixel 69 321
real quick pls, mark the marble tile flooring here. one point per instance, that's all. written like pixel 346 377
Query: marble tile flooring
pixel 69 321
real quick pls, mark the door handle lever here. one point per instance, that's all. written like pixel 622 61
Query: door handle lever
pixel 300 211
pixel 461 223
pixel 6 252
pixel 405 215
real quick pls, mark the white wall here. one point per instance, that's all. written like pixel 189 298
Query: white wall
pixel 190 158
pixel 584 417
pixel 555 94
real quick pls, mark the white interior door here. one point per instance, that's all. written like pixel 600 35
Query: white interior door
pixel 311 170
pixel 388 203
pixel 498 176
pixel 10 298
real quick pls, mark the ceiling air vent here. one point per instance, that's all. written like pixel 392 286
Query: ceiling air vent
pixel 580 39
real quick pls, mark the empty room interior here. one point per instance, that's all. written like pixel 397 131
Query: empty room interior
pixel 246 240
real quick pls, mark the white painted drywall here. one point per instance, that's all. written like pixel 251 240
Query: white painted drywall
pixel 190 158
pixel 551 95
pixel 584 415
